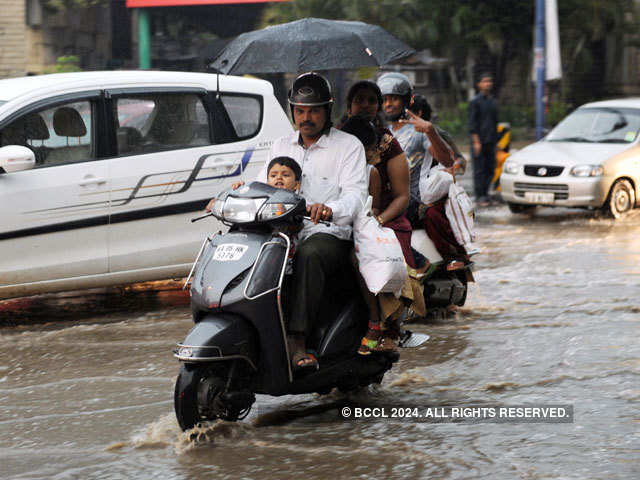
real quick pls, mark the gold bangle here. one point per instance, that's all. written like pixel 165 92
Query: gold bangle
pixel 380 220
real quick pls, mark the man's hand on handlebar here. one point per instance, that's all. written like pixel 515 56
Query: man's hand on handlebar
pixel 235 186
pixel 319 211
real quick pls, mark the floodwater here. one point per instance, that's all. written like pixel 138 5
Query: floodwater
pixel 86 381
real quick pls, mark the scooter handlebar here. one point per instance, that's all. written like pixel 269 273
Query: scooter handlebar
pixel 324 222
pixel 210 214
pixel 307 218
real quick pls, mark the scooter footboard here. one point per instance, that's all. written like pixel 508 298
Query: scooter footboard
pixel 219 337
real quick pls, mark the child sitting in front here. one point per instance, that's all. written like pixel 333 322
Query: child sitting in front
pixel 283 172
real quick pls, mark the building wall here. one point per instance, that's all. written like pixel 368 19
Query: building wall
pixel 13 38
pixel 34 49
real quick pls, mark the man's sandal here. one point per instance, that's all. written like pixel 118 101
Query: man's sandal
pixel 300 358
pixel 309 359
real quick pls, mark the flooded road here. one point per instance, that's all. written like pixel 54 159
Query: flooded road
pixel 86 383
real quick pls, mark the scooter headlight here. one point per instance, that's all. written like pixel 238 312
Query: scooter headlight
pixel 238 210
pixel 274 210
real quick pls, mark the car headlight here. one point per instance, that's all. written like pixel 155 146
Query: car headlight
pixel 587 171
pixel 238 210
pixel 510 167
pixel 274 210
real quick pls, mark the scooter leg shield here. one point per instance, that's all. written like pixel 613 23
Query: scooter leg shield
pixel 220 337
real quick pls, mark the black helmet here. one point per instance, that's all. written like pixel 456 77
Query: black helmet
pixel 311 90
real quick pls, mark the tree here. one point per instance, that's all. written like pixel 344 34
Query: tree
pixel 592 34
pixel 493 35
pixel 70 4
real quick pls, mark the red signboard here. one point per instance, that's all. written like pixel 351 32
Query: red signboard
pixel 184 3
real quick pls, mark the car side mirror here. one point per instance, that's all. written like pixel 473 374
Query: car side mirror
pixel 15 158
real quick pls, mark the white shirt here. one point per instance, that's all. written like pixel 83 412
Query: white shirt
pixel 333 172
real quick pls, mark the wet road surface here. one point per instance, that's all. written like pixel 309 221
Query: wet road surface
pixel 86 382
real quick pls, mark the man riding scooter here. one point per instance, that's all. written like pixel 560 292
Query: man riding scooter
pixel 334 184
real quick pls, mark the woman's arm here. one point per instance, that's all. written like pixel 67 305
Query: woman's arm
pixel 375 190
pixel 398 171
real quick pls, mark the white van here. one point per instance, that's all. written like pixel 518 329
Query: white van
pixel 100 172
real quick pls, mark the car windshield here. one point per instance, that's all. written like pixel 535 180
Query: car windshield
pixel 598 125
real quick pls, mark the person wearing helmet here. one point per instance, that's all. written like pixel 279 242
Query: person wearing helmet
pixel 334 184
pixel 422 145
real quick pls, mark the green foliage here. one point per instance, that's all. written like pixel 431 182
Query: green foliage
pixel 495 34
pixel 557 111
pixel 520 117
pixel 455 120
pixel 69 63
pixel 284 12
pixel 71 4
pixel 517 115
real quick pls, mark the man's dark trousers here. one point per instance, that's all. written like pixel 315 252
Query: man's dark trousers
pixel 320 259
pixel 484 166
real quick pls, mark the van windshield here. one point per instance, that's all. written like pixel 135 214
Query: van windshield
pixel 598 125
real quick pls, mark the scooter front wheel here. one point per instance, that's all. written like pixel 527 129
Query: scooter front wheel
pixel 198 390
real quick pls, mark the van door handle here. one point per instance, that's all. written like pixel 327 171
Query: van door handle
pixel 91 180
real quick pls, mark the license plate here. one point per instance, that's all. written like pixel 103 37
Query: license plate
pixel 539 197
pixel 229 252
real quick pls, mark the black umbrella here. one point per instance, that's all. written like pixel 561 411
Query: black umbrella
pixel 310 44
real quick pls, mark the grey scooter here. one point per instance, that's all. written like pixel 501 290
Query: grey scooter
pixel 238 345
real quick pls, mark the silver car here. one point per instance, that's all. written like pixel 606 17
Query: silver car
pixel 591 159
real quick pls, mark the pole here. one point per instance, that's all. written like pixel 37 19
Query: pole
pixel 144 39
pixel 540 63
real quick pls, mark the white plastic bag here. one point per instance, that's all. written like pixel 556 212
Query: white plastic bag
pixel 380 257
pixel 435 185
pixel 459 211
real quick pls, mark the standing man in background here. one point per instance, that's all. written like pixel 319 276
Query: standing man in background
pixel 483 125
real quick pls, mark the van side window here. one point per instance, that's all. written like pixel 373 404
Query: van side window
pixel 245 114
pixel 158 122
pixel 57 135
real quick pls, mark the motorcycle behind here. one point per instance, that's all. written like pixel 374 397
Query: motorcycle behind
pixel 238 346
pixel 443 289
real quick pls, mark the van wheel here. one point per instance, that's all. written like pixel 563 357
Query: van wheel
pixel 520 208
pixel 621 199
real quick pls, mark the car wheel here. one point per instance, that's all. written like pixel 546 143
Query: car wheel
pixel 520 208
pixel 621 199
